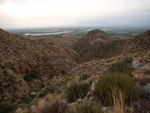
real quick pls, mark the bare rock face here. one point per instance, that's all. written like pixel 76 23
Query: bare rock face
pixel 24 61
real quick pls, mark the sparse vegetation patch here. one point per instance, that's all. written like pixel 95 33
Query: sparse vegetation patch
pixel 46 91
pixel 5 108
pixel 31 75
pixel 84 77
pixel 86 107
pixel 77 90
pixel 121 67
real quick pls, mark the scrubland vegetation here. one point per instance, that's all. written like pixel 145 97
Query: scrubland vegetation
pixel 115 88
pixel 77 90
pixel 108 78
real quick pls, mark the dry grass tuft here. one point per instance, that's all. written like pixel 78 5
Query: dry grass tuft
pixel 118 102
pixel 119 105
pixel 116 81
pixel 51 104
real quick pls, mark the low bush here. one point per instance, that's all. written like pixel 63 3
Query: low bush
pixel 116 81
pixel 5 72
pixel 63 72
pixel 40 85
pixel 55 107
pixel 12 67
pixel 76 90
pixel 84 77
pixel 26 99
pixel 121 67
pixel 27 78
pixel 5 108
pixel 51 103
pixel 34 74
pixel 86 107
pixel 30 75
pixel 34 90
pixel 1 66
pixel 46 91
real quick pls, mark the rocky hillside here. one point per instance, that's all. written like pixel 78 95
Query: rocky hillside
pixel 25 63
pixel 76 81
pixel 97 45
pixel 41 76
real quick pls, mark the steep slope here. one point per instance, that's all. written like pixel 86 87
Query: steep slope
pixel 97 44
pixel 89 72
pixel 142 42
pixel 144 35
pixel 86 45
pixel 24 63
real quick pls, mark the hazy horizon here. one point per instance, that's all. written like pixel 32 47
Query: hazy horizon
pixel 54 13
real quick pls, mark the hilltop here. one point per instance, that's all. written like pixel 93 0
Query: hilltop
pixel 98 45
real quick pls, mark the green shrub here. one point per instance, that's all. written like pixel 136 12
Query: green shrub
pixel 76 90
pixel 5 108
pixel 5 72
pixel 31 75
pixel 27 78
pixel 34 90
pixel 40 85
pixel 121 67
pixel 1 66
pixel 106 84
pixel 46 91
pixel 84 77
pixel 63 72
pixel 86 107
pixel 26 99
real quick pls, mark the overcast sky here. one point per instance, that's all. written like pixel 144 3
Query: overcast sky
pixel 50 13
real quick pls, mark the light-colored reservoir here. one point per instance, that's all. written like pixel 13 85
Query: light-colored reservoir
pixel 43 34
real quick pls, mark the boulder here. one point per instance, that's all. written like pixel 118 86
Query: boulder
pixel 33 94
pixel 64 101
pixel 142 72
pixel 108 109
pixel 137 64
pixel 147 89
pixel 128 60
pixel 93 85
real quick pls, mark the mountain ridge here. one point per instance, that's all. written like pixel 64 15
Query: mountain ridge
pixel 110 47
